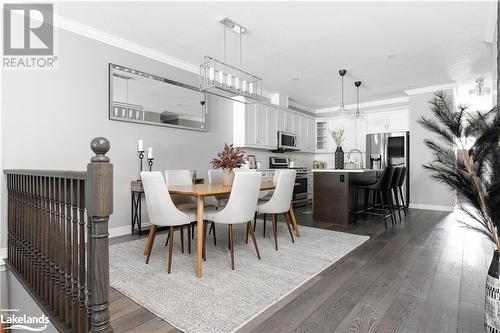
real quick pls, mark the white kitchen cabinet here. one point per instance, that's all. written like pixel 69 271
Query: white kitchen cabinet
pixel 398 121
pixel 261 138
pixel 272 127
pixel 389 121
pixel 376 122
pixel 250 126
pixel 360 129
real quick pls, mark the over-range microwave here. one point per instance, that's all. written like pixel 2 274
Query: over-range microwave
pixel 287 141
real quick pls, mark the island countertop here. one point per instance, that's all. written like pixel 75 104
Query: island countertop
pixel 346 170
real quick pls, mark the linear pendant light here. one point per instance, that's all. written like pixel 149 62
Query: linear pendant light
pixel 224 80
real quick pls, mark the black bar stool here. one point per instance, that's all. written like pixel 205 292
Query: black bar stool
pixel 380 189
pixel 393 197
pixel 399 188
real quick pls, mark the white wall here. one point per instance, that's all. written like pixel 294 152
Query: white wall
pixel 50 117
pixel 425 192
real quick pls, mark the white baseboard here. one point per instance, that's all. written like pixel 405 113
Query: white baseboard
pixel 121 231
pixel 3 254
pixel 432 207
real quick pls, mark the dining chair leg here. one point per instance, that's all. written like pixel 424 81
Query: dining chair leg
pixel 289 225
pixel 182 239
pixel 231 243
pixel 204 251
pixel 228 238
pixel 189 238
pixel 215 238
pixel 210 230
pixel 192 230
pixel 254 221
pixel 275 232
pixel 246 237
pixel 151 240
pixel 252 234
pixel 170 248
pixel 264 232
pixel 168 238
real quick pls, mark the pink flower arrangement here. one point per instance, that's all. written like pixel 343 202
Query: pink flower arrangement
pixel 229 158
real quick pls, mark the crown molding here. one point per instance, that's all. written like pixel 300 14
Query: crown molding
pixel 104 37
pixel 429 89
pixel 380 102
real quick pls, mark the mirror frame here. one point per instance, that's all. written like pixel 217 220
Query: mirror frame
pixel 161 79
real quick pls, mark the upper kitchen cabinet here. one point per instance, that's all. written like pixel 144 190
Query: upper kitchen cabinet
pixel 354 133
pixel 391 121
pixel 257 126
pixel 322 136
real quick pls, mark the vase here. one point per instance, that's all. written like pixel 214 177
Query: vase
pixel 228 177
pixel 492 295
pixel 339 158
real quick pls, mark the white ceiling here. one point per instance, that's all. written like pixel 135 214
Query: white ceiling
pixel 433 42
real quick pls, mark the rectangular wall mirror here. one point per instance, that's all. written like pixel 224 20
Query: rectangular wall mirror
pixel 139 97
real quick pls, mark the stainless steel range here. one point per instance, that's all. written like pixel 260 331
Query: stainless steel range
pixel 299 197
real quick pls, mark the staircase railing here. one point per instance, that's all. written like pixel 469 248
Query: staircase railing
pixel 58 240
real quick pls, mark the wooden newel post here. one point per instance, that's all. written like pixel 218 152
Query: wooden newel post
pixel 99 199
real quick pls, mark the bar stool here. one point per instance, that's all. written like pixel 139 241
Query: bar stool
pixel 380 188
pixel 399 188
pixel 393 191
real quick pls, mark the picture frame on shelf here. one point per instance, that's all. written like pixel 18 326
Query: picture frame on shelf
pixel 252 163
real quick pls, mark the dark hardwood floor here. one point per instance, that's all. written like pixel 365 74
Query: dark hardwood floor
pixel 427 274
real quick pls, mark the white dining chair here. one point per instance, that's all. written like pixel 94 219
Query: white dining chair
pixel 179 178
pixel 240 207
pixel 279 203
pixel 215 176
pixel 162 212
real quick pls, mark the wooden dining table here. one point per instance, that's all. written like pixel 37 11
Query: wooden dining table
pixel 200 191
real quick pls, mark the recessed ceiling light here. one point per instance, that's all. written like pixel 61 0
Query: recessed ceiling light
pixel 391 55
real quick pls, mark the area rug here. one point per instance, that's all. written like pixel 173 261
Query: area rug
pixel 224 300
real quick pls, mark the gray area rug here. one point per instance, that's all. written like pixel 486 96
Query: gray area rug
pixel 224 300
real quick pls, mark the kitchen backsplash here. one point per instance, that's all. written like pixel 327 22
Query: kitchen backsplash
pixel 300 159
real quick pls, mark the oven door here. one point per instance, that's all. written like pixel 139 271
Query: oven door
pixel 301 187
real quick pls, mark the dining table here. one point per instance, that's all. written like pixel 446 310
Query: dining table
pixel 200 192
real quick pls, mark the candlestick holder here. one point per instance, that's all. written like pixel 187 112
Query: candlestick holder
pixel 141 157
pixel 150 163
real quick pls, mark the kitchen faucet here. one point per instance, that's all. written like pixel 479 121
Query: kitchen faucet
pixel 360 155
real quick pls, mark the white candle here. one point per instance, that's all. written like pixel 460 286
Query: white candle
pixel 244 85
pixel 229 80
pixel 220 76
pixel 211 73
pixel 237 83
pixel 150 152
pixel 140 145
pixel 250 88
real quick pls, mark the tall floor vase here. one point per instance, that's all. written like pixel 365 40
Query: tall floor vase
pixel 492 302
pixel 339 158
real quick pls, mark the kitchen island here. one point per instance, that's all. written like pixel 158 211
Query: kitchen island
pixel 334 191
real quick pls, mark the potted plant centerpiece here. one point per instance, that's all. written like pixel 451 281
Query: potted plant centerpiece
pixel 338 137
pixel 228 159
pixel 467 159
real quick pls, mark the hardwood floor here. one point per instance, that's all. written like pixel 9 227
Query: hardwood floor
pixel 425 275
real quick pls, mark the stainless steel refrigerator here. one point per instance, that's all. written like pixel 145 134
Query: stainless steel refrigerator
pixel 389 149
